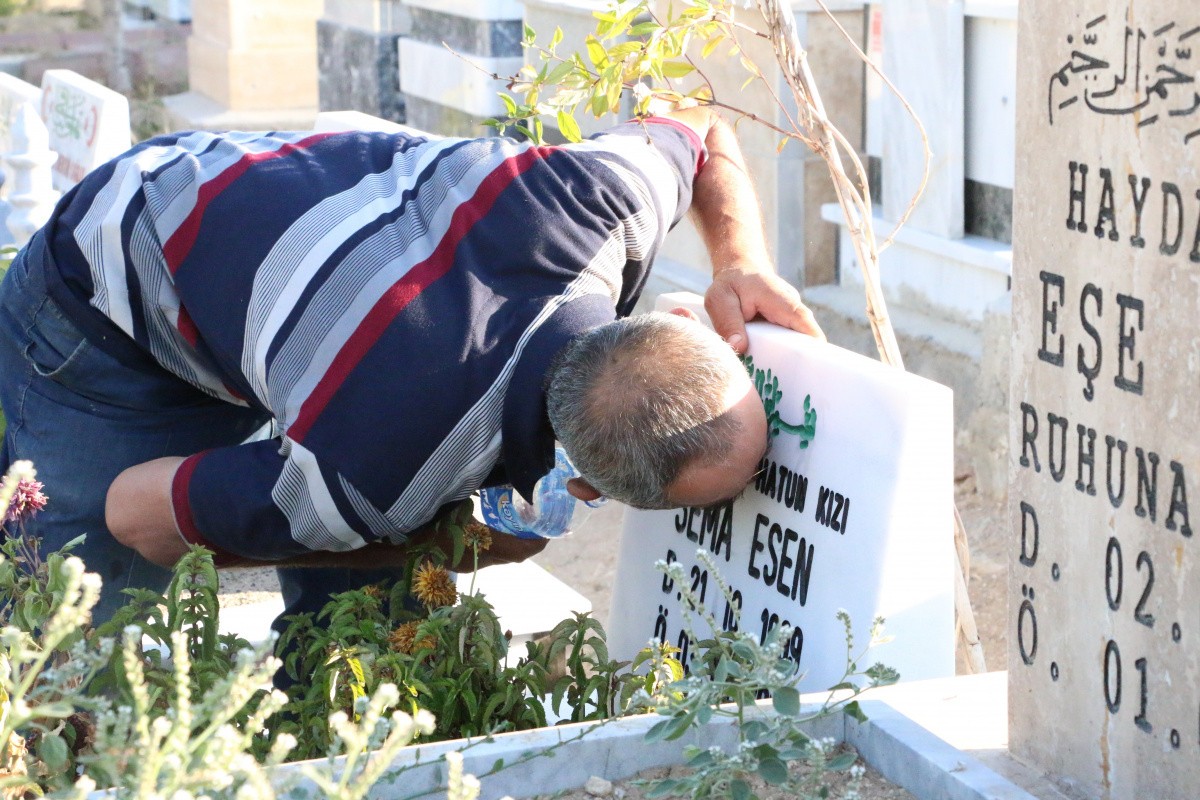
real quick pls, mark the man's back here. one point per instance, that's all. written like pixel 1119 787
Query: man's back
pixel 373 292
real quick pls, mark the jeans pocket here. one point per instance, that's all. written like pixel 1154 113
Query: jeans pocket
pixel 56 349
pixel 58 352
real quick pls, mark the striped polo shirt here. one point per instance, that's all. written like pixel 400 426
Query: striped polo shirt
pixel 392 301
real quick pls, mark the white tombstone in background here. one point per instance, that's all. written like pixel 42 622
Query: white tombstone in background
pixel 854 513
pixel 88 124
pixel 32 196
pixel 333 121
pixel 14 93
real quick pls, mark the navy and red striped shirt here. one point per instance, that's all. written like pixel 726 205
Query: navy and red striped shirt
pixel 392 301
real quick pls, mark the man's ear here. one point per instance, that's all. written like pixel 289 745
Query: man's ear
pixel 582 490
pixel 686 313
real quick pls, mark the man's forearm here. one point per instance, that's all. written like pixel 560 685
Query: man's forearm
pixel 727 213
pixel 725 206
pixel 140 515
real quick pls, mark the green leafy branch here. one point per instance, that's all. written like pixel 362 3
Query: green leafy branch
pixel 731 671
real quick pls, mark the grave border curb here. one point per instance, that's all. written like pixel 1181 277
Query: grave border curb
pixel 898 748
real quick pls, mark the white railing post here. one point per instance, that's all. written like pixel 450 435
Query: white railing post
pixel 32 195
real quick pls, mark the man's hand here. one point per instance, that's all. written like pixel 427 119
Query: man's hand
pixel 505 549
pixel 737 296
pixel 726 211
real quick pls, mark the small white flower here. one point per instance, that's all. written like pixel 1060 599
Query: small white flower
pixel 403 727
pixel 388 694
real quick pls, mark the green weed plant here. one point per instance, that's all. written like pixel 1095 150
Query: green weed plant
pixel 156 703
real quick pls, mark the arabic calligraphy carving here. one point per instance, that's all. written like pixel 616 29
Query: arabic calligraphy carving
pixel 1119 70
pixel 767 386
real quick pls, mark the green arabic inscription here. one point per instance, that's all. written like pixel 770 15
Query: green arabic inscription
pixel 767 386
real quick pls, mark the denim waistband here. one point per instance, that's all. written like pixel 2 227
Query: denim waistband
pixel 40 276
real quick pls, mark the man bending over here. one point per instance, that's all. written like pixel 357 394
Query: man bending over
pixel 408 319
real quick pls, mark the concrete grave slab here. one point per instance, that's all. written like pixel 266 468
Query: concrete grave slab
pixel 1104 459
pixel 852 510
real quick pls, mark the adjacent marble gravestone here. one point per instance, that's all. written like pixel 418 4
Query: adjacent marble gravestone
pixel 1105 590
pixel 852 510
pixel 88 124
pixel 14 93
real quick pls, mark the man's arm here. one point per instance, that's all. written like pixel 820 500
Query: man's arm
pixel 140 515
pixel 727 213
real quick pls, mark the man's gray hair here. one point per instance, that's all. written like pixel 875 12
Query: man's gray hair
pixel 636 401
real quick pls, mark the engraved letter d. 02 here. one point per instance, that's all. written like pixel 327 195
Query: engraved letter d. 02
pixel 1029 544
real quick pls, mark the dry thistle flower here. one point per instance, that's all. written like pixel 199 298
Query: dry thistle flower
pixel 374 590
pixel 404 639
pixel 477 536
pixel 27 500
pixel 433 586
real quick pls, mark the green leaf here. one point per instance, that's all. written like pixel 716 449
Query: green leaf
pixel 657 731
pixel 787 701
pixel 568 127
pixel 743 651
pixel 510 105
pixel 753 731
pixel 773 771
pixel 560 71
pixel 53 750
pixel 622 24
pixel 852 709
pixel 739 790
pixel 643 28
pixel 596 52
pixel 842 761
pixel 678 726
pixel 663 788
pixel 599 105
pixel 557 38
pixel 711 45
pixel 677 69
pixel 620 51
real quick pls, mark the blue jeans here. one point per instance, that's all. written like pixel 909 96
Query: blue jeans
pixel 82 416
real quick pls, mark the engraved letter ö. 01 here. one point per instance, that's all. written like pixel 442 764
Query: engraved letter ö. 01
pixel 1027 633
pixel 1112 676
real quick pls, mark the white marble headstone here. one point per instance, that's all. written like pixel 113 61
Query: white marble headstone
pixel 923 54
pixel 88 124
pixel 852 510
pixel 14 93
pixel 1104 598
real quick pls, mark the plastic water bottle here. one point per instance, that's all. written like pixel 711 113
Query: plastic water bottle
pixel 551 513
